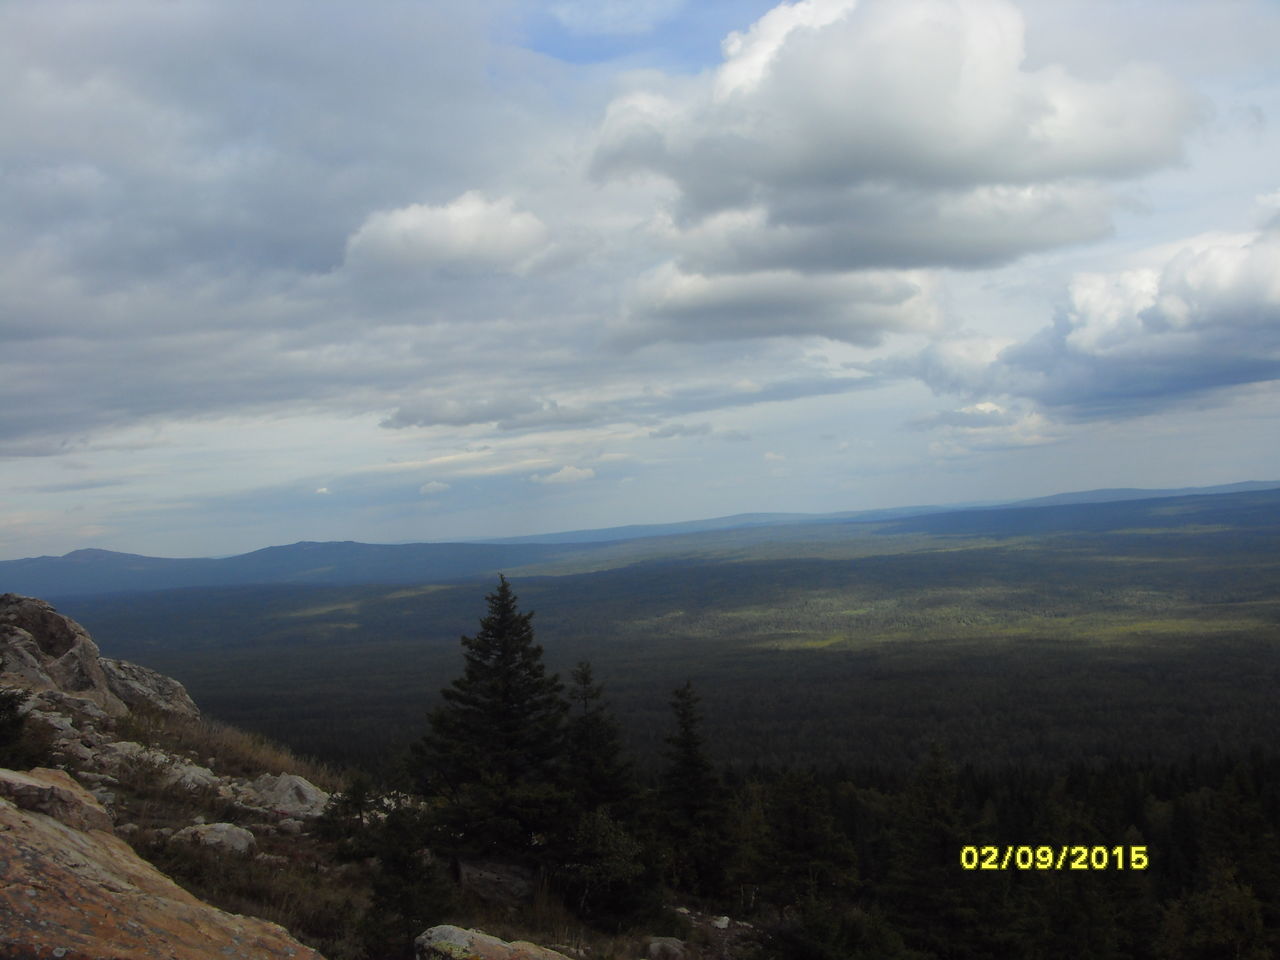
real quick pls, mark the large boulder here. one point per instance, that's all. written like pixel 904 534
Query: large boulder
pixel 290 794
pixel 453 943
pixel 51 652
pixel 84 894
pixel 139 687
pixel 221 836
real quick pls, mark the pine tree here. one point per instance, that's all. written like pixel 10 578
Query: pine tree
pixel 495 751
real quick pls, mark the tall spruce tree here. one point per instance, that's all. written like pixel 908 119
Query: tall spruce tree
pixel 598 774
pixel 494 755
pixel 693 801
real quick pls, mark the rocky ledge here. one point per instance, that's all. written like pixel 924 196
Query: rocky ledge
pixel 74 890
pixel 71 887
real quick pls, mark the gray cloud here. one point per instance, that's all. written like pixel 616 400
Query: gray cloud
pixel 857 307
pixel 1205 318
pixel 667 431
pixel 834 124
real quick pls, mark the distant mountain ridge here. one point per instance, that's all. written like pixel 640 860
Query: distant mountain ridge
pixel 94 571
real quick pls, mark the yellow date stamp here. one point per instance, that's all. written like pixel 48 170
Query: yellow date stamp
pixel 1062 857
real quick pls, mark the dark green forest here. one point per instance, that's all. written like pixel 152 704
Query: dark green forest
pixel 1122 858
pixel 1053 648
pixel 817 729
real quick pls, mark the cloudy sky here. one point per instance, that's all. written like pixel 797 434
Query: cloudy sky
pixel 415 270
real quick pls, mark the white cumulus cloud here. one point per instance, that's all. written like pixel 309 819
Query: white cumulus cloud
pixel 472 232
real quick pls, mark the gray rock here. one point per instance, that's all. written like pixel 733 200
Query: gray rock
pixel 50 651
pixel 290 794
pixel 451 943
pixel 189 776
pixel 139 687
pixel 220 836
pixel 54 794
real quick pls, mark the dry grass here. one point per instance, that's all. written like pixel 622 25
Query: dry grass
pixel 236 753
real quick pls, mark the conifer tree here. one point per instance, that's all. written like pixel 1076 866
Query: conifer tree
pixel 602 872
pixel 495 751
pixel 693 800
pixel 598 774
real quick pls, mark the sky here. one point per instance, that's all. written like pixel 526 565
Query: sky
pixel 402 270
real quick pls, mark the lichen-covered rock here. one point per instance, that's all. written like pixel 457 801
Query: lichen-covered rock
pixel 55 794
pixel 453 943
pixel 290 794
pixel 220 836
pixel 84 895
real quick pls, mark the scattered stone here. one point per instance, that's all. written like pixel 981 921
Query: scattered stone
pixel 720 923
pixel 220 836
pixel 454 943
pixel 290 826
pixel 104 796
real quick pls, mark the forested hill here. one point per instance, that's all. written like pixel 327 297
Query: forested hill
pixel 91 572
pixel 96 572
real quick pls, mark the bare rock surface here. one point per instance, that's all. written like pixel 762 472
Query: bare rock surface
pixel 49 652
pixel 140 687
pixel 55 794
pixel 52 652
pixel 454 943
pixel 84 894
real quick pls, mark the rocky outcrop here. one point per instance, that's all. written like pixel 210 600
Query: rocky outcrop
pixel 51 652
pixel 55 794
pixel 454 943
pixel 79 893
pixel 45 651
pixel 139 687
